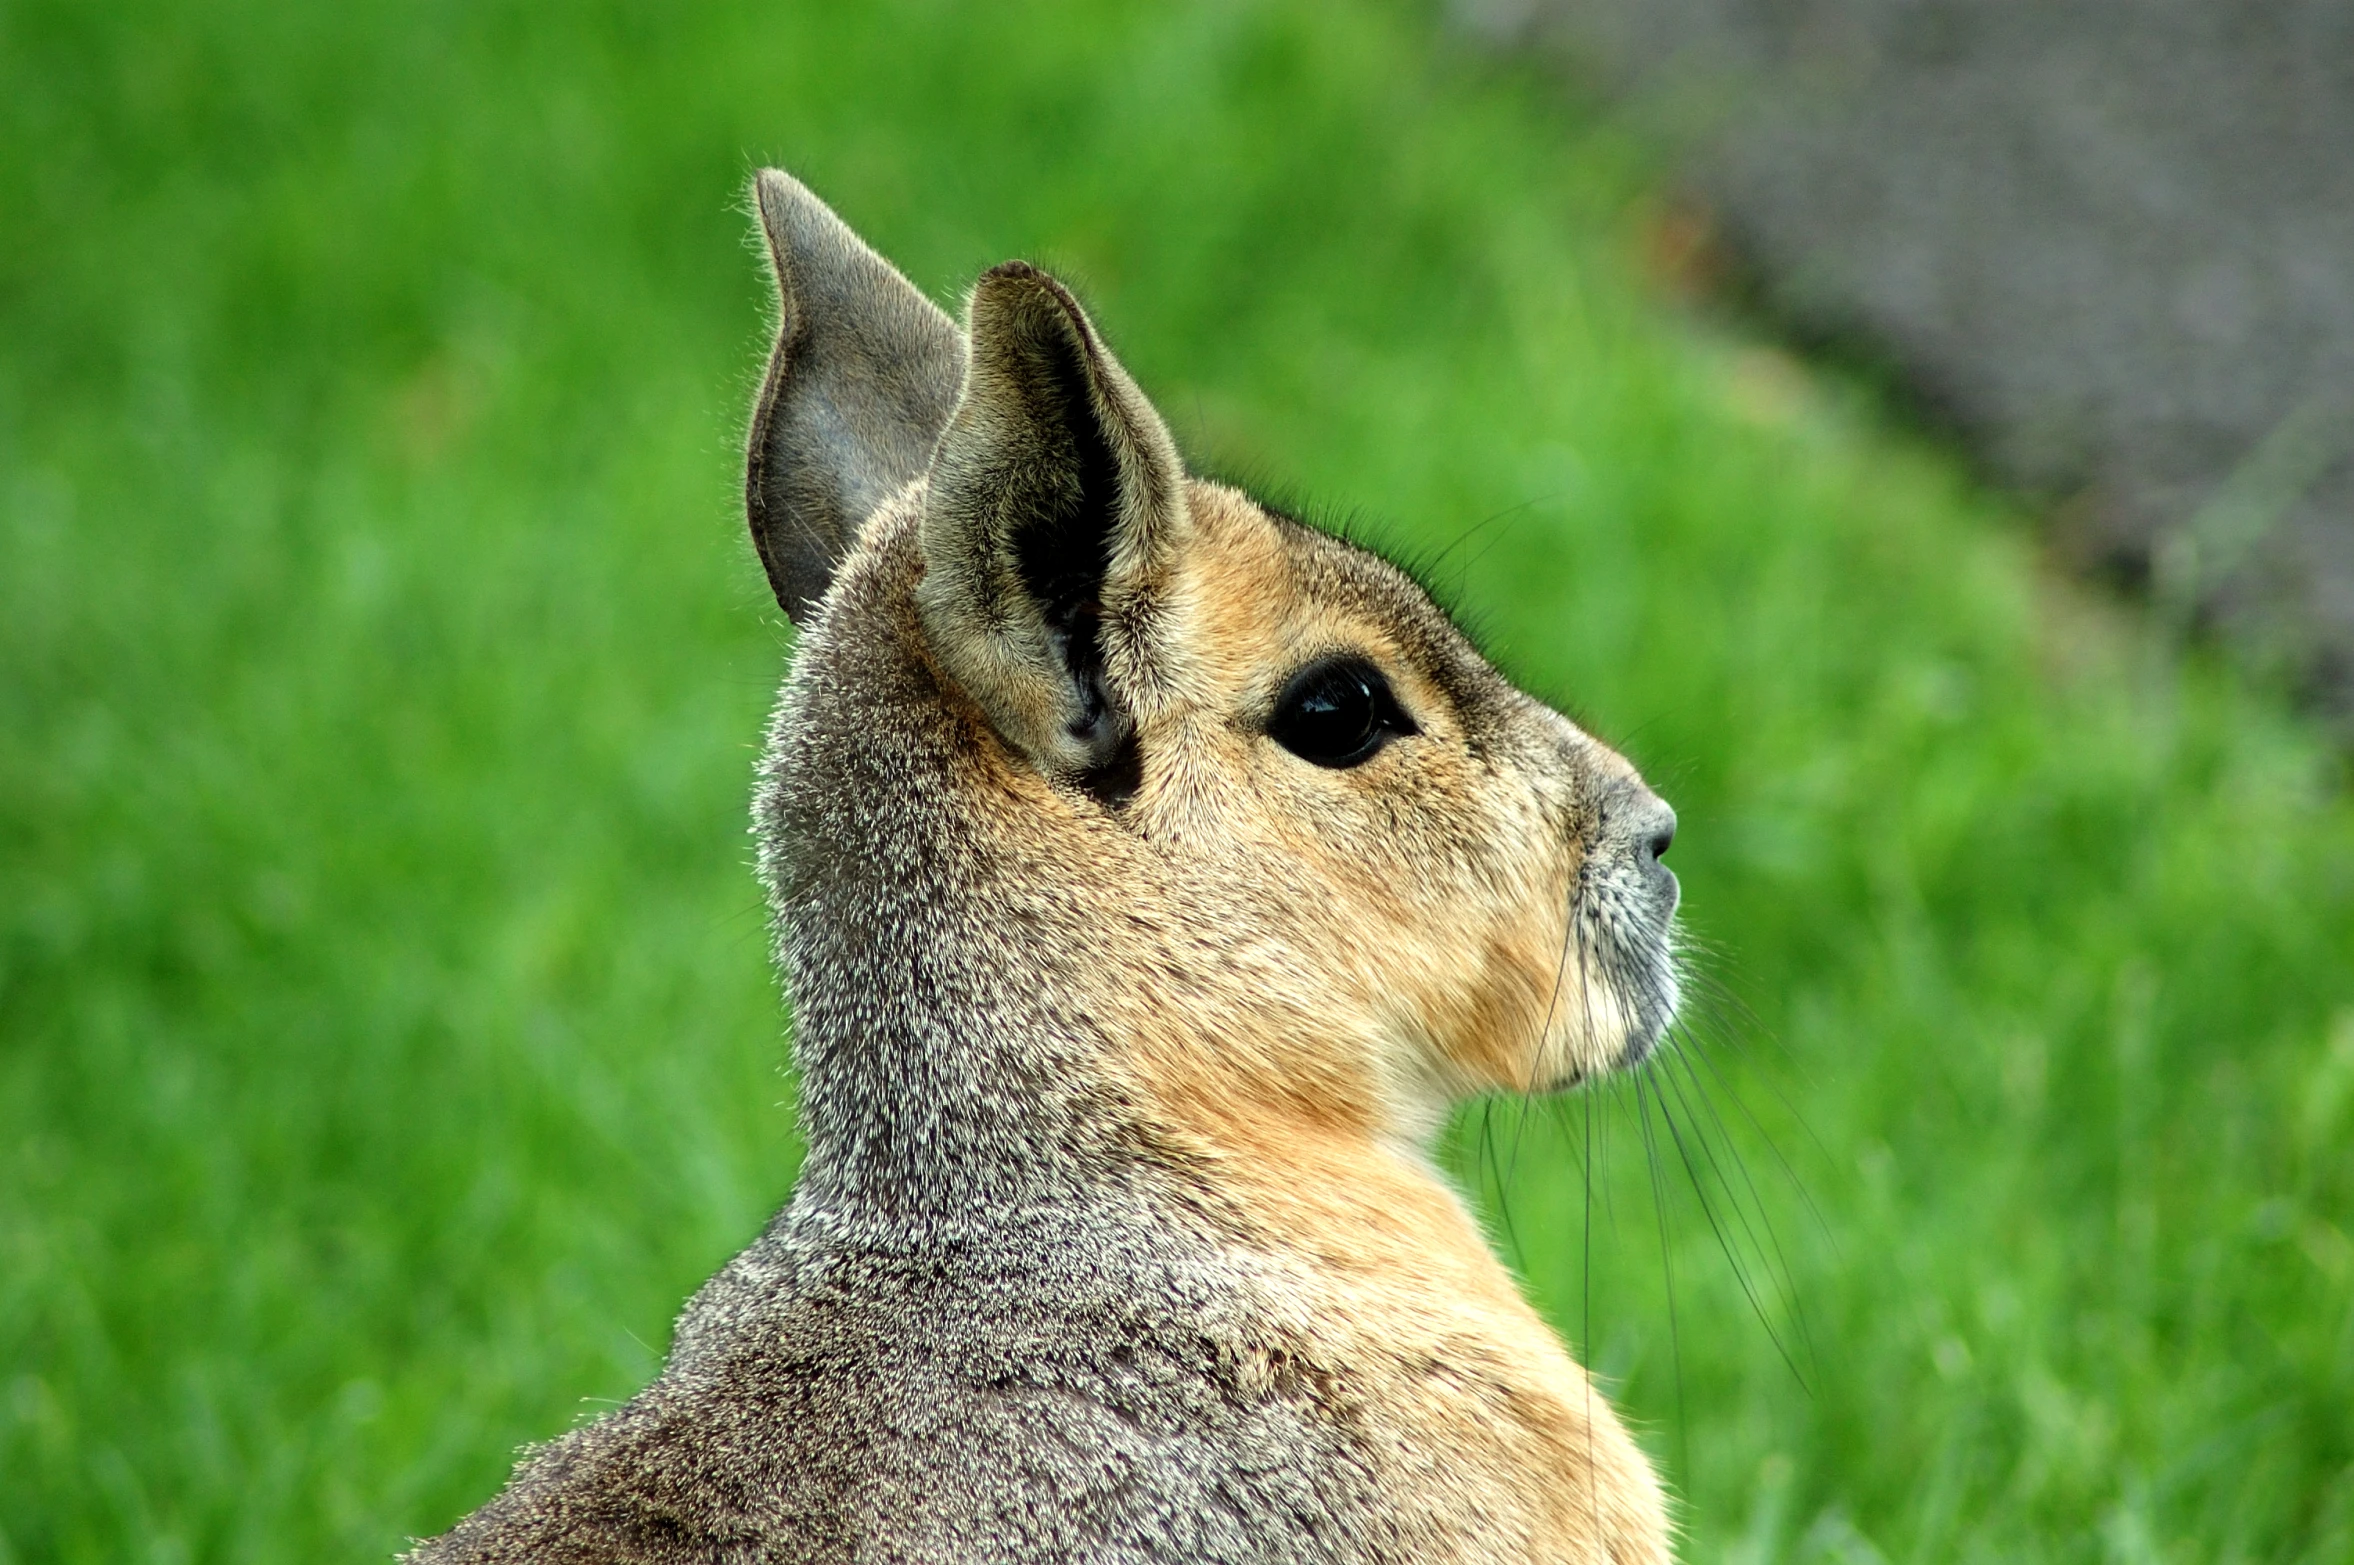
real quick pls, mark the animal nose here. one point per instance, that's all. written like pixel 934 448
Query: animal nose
pixel 1653 827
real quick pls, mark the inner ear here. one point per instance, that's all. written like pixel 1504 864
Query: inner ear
pixel 1063 553
pixel 1055 505
pixel 862 378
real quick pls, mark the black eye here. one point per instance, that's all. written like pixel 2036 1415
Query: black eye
pixel 1337 713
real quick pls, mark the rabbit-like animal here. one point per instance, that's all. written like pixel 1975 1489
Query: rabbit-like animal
pixel 1150 873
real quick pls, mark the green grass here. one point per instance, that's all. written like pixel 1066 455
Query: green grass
pixel 386 1040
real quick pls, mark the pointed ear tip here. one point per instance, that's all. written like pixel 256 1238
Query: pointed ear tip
pixel 775 193
pixel 1009 285
pixel 1014 279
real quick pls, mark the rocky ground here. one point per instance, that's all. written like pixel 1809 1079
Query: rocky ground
pixel 2110 242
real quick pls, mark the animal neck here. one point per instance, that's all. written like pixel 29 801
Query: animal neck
pixel 941 1078
pixel 979 1026
pixel 920 1124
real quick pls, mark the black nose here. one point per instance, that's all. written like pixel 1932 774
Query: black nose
pixel 1655 828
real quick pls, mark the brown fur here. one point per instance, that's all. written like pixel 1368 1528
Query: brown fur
pixel 1124 1027
pixel 1300 1088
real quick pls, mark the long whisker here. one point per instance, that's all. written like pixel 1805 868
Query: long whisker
pixel 1736 1033
pixel 1715 1000
pixel 1704 1057
pixel 1502 1184
pixel 1708 1210
pixel 1751 1217
pixel 1586 1310
pixel 1569 940
pixel 1777 1259
pixel 1480 526
pixel 1586 1023
pixel 1667 1269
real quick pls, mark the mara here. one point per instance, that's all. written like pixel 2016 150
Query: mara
pixel 1150 874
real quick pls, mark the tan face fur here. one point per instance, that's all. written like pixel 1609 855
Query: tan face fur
pixel 1422 902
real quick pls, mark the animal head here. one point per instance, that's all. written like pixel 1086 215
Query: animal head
pixel 1160 766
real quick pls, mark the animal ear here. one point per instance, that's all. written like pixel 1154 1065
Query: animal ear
pixel 1056 506
pixel 859 386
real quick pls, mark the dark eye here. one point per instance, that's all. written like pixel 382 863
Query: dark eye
pixel 1337 713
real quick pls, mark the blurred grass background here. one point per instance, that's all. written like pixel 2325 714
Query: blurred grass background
pixel 387 1044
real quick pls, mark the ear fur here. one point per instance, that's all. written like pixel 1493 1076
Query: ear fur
pixel 1056 505
pixel 860 384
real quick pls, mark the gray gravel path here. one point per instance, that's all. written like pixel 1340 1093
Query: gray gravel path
pixel 2110 241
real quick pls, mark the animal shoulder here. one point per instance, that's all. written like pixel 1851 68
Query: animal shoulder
pixel 1151 872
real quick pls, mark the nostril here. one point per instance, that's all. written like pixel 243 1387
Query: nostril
pixel 1663 833
pixel 1639 823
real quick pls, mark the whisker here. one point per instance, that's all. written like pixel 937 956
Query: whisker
pixel 1732 1024
pixel 1570 938
pixel 1690 1056
pixel 1503 1187
pixel 1586 1012
pixel 1708 1210
pixel 1586 1308
pixel 1778 1265
pixel 1752 1216
pixel 1789 1173
pixel 1667 1269
pixel 1478 527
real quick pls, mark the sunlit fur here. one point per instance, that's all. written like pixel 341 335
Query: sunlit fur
pixel 1293 971
pixel 1118 1236
pixel 1413 913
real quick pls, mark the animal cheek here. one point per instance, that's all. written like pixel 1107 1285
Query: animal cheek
pixel 1505 1029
